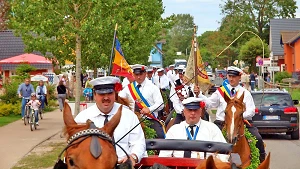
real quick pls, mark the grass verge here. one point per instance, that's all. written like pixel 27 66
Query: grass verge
pixel 9 119
pixel 295 94
pixel 45 159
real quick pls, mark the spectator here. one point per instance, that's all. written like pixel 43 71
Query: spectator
pixel 41 92
pixel 61 94
pixel 24 92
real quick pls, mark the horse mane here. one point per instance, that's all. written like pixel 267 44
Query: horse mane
pixel 123 101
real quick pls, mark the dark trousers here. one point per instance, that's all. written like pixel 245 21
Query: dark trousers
pixel 158 128
pixel 254 132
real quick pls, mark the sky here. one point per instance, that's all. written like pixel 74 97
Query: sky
pixel 206 13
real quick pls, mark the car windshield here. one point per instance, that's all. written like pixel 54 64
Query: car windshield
pixel 272 99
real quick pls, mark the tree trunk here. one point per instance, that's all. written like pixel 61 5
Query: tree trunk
pixel 78 66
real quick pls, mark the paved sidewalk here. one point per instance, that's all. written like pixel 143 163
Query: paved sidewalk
pixel 17 140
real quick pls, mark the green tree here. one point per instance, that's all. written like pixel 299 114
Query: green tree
pixel 82 31
pixel 250 50
pixel 179 38
pixel 23 71
pixel 212 44
pixel 254 15
pixel 4 8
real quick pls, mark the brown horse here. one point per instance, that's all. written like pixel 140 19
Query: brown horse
pixel 211 163
pixel 83 140
pixel 234 125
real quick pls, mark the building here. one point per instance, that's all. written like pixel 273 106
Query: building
pixel 12 46
pixel 291 47
pixel 282 41
pixel 156 54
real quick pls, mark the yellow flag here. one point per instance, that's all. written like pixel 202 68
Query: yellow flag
pixel 203 80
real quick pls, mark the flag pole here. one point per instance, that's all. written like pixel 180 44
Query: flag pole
pixel 112 49
pixel 195 55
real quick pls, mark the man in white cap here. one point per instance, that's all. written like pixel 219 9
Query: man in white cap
pixel 146 97
pixel 161 80
pixel 171 74
pixel 105 89
pixel 193 128
pixel 150 74
pixel 216 100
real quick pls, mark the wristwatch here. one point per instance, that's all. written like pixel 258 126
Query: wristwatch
pixel 135 158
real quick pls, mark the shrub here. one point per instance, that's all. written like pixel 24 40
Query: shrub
pixel 51 91
pixel 282 75
pixel 10 91
pixel 7 109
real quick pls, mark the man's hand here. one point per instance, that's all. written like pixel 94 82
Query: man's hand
pixel 196 90
pixel 145 110
pixel 20 96
pixel 125 159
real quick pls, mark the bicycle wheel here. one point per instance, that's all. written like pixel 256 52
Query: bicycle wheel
pixel 27 115
pixel 41 113
pixel 32 121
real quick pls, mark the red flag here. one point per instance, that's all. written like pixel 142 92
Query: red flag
pixel 120 65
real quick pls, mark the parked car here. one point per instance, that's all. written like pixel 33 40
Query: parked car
pixel 276 112
pixel 221 73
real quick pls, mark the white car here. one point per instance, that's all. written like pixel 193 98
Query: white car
pixel 211 76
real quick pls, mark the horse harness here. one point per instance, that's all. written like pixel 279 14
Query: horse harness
pixel 95 146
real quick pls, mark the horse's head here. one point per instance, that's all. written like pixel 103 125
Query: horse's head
pixel 234 116
pixel 214 163
pixel 90 147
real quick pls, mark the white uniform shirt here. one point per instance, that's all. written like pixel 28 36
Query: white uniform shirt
pixel 207 132
pixel 162 82
pixel 125 82
pixel 150 92
pixel 171 76
pixel 217 100
pixel 134 142
pixel 177 104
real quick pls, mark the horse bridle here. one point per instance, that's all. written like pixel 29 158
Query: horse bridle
pixel 95 146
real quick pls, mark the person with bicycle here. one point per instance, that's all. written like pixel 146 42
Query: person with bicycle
pixel 41 92
pixel 24 91
pixel 34 103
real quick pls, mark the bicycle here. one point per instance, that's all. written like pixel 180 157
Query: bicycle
pixel 32 120
pixel 26 112
pixel 40 108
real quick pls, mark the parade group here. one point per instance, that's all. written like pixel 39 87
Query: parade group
pixel 145 93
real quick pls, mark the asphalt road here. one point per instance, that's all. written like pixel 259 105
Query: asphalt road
pixel 285 153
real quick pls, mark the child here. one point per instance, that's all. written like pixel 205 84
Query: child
pixel 35 106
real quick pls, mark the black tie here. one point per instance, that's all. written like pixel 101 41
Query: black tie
pixel 187 154
pixel 106 119
pixel 232 91
pixel 136 107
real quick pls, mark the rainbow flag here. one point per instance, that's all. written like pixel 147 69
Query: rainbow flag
pixel 120 65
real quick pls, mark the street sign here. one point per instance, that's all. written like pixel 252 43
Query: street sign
pixel 267 62
pixel 273 68
pixel 260 62
pixel 258 58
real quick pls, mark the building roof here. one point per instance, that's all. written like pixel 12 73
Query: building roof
pixel 10 45
pixel 277 25
pixel 289 36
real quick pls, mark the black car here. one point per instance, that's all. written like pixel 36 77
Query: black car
pixel 276 112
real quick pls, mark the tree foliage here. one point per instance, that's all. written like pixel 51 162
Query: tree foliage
pixel 254 15
pixel 4 9
pixel 178 38
pixel 82 31
pixel 250 50
pixel 51 26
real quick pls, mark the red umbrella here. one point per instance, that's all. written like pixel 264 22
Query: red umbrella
pixel 25 58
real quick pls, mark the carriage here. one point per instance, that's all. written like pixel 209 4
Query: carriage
pixel 181 145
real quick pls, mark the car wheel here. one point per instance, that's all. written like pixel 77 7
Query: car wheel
pixel 295 135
